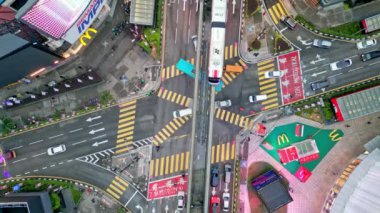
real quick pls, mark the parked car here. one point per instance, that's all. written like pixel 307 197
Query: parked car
pixel 8 155
pixel 214 204
pixel 226 202
pixel 289 22
pixel 194 38
pixel 254 98
pixel 182 112
pixel 214 176
pixel 341 64
pixel 181 200
pixel 227 172
pixel 322 43
pixel 319 85
pixel 370 55
pixel 366 44
pixel 221 104
pixel 273 74
pixel 56 150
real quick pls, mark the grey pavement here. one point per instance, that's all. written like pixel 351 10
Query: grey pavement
pixel 310 196
pixel 117 60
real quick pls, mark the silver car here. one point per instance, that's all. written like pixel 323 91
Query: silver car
pixel 322 43
pixel 338 65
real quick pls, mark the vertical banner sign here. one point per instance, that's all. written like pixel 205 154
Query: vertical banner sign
pixel 291 81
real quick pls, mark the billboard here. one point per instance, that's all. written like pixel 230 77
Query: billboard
pixel 84 21
pixel 265 179
pixel 54 18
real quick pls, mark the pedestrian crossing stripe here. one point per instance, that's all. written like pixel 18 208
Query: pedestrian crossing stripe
pixel 120 145
pixel 170 72
pixel 169 164
pixel 265 62
pixel 126 127
pixel 266 92
pixel 267 86
pixel 283 6
pixel 222 152
pixel 168 130
pixel 128 113
pixel 232 118
pixel 271 80
pixel 230 51
pixel 236 49
pixel 243 64
pixel 269 101
pixel 275 20
pixel 277 11
pixel 117 187
pixel 271 95
pixel 265 68
pixel 174 97
pixel 271 106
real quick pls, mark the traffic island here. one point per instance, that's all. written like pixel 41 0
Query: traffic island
pixel 280 44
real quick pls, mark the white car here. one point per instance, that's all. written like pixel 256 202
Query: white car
pixel 181 200
pixel 341 64
pixel 182 113
pixel 57 149
pixel 273 74
pixel 366 43
pixel 254 98
pixel 322 43
pixel 226 202
pixel 221 104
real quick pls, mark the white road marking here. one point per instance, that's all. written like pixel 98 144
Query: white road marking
pixel 78 142
pixel 36 170
pixel 353 56
pixel 95 124
pixel 130 198
pixel 52 165
pixel 39 154
pixel 44 167
pixel 305 71
pixel 307 47
pixel 16 161
pixel 36 142
pixel 26 173
pixel 335 75
pixel 76 130
pixel 56 136
pixel 18 147
pixel 177 16
pixel 355 69
pixel 100 136
pixel 175 37
pixel 283 29
pixel 69 161
pixel 374 63
pixel 60 163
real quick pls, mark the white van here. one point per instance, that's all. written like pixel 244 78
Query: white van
pixel 182 112
pixel 254 98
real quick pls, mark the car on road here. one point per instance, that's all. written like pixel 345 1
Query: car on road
pixel 366 44
pixel 226 201
pixel 56 149
pixel 322 43
pixel 370 55
pixel 254 98
pixel 194 38
pixel 214 204
pixel 273 74
pixel 182 112
pixel 221 104
pixel 181 200
pixel 227 172
pixel 289 22
pixel 8 155
pixel 214 177
pixel 341 64
pixel 319 85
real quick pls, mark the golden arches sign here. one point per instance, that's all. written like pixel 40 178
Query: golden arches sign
pixel 334 136
pixel 283 138
pixel 86 35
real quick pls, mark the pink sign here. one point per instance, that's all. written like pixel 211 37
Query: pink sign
pixel 167 187
pixel 291 81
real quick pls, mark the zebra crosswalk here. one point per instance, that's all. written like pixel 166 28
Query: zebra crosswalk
pixel 277 11
pixel 268 86
pixel 172 71
pixel 126 127
pixel 174 97
pixel 222 152
pixel 169 164
pixel 233 118
pixel 231 51
pixel 169 130
pixel 117 187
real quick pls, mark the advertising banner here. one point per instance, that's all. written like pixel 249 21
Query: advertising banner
pixel 84 21
pixel 291 81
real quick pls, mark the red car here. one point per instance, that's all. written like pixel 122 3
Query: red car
pixel 7 156
pixel 214 204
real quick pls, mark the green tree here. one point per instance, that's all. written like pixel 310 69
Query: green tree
pixel 55 201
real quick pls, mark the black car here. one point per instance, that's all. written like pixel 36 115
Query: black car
pixel 370 55
pixel 214 177
pixel 319 85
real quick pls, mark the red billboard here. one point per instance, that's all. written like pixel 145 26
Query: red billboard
pixel 291 81
pixel 167 187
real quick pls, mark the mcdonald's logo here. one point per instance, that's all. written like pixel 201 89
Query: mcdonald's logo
pixel 282 139
pixel 334 136
pixel 86 35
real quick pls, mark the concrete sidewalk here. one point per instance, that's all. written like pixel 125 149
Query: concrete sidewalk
pixel 126 72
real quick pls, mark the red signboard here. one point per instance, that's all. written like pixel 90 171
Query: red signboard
pixel 291 81
pixel 167 187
